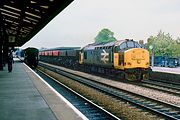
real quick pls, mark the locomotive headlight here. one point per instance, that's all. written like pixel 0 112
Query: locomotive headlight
pixel 138 61
pixel 129 63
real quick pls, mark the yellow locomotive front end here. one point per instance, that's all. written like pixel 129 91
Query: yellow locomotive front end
pixel 132 60
pixel 136 58
pixel 136 64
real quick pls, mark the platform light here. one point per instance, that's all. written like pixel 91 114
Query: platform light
pixel 151 47
pixel 13 8
pixel 7 11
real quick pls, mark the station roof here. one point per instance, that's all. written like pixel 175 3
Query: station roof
pixel 20 20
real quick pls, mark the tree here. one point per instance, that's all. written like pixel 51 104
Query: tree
pixel 164 45
pixel 105 35
pixel 177 48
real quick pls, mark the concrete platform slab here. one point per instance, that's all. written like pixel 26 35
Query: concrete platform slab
pixel 23 96
pixel 166 70
pixel 19 99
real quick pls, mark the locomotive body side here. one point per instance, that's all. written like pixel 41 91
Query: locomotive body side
pixel 99 55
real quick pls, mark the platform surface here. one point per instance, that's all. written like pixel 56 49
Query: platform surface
pixel 167 70
pixel 23 96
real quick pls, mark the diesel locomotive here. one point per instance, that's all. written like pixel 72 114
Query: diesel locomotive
pixel 124 58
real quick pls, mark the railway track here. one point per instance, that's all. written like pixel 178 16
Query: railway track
pixel 169 88
pixel 166 82
pixel 165 110
pixel 85 106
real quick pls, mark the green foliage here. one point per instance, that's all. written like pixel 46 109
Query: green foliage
pixel 105 35
pixel 177 47
pixel 164 45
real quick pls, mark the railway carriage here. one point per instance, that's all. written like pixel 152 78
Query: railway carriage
pixel 64 56
pixel 31 56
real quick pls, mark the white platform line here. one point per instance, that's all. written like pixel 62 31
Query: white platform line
pixel 60 96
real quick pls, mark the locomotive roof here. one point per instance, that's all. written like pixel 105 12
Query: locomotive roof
pixel 61 48
pixel 104 44
pixel 31 50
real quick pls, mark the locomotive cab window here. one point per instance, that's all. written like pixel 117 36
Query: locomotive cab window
pixel 123 46
pixel 130 44
pixel 137 45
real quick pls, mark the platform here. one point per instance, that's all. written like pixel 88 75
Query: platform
pixel 166 70
pixel 24 96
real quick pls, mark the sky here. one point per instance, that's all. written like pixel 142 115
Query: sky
pixel 80 22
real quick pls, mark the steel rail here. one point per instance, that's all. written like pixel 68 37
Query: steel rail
pixel 168 111
pixel 167 88
pixel 88 108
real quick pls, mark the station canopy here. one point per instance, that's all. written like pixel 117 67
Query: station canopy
pixel 20 20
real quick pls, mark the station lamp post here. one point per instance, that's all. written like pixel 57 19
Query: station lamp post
pixel 151 47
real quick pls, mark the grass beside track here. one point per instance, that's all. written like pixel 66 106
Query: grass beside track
pixel 120 109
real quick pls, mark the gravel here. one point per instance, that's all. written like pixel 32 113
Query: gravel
pixel 120 109
pixel 155 94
